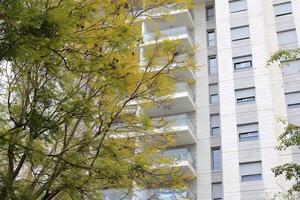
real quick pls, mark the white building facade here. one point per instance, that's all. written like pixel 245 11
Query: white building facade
pixel 227 118
pixel 251 98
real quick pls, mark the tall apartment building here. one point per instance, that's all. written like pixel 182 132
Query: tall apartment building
pixel 227 120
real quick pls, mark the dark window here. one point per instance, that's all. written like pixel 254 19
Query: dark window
pixel 212 65
pixel 216 158
pixel 244 96
pixel 210 13
pixel 211 38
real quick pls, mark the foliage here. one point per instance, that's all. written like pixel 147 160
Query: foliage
pixel 291 135
pixel 285 55
pixel 70 81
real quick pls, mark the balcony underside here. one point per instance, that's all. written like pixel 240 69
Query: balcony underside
pixel 175 18
pixel 184 136
pixel 184 39
pixel 187 74
pixel 180 103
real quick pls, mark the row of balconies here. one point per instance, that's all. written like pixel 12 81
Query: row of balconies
pixel 181 101
pixel 178 27
pixel 182 33
pixel 161 194
pixel 180 126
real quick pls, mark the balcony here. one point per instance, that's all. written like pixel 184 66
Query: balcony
pixel 179 33
pixel 166 194
pixel 188 74
pixel 181 101
pixel 113 194
pixel 180 126
pixel 177 70
pixel 183 159
pixel 176 17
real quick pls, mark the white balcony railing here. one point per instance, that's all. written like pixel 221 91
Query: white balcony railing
pixel 169 194
pixel 113 194
pixel 171 34
pixel 170 10
pixel 180 155
pixel 179 61
pixel 184 87
pixel 175 122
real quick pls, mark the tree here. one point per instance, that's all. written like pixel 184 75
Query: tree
pixel 291 135
pixel 70 82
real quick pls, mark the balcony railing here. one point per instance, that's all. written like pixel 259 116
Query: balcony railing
pixel 113 194
pixel 169 194
pixel 169 10
pixel 168 34
pixel 177 121
pixel 180 155
pixel 184 87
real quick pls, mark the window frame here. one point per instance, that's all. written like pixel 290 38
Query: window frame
pixel 244 59
pixel 294 105
pixel 208 39
pixel 237 11
pixel 243 38
pixel 287 64
pixel 283 3
pixel 246 99
pixel 286 31
pixel 212 98
pixel 215 124
pixel 251 138
pixel 217 163
pixel 210 67
pixel 212 191
pixel 210 17
pixel 251 175
pixel 242 62
pixel 215 134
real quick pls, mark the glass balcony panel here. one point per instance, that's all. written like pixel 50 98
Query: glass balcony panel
pixel 175 121
pixel 173 32
pixel 180 155
pixel 169 194
pixel 113 194
pixel 184 87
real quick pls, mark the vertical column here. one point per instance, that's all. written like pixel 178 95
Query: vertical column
pixel 268 86
pixel 296 13
pixel 230 158
pixel 203 131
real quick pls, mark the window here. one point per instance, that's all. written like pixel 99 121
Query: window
pixel 211 38
pixel 210 13
pixel 287 37
pixel 293 99
pixel 213 93
pixel 212 64
pixel 237 6
pixel 248 132
pixel 240 33
pixel 244 96
pixel 290 68
pixel 215 125
pixel 283 9
pixel 242 62
pixel 251 171
pixel 215 131
pixel 214 98
pixel 217 191
pixel 216 158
